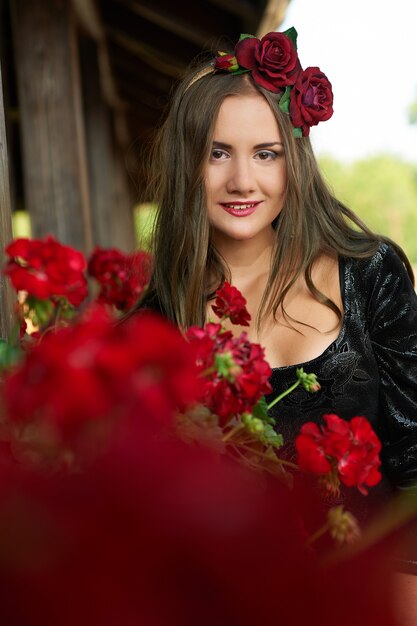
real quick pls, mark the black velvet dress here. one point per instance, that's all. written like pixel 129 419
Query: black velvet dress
pixel 370 369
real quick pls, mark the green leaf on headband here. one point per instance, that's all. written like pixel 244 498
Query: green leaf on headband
pixel 246 36
pixel 241 70
pixel 297 132
pixel 284 103
pixel 291 33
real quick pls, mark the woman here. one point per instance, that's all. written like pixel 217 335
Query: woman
pixel 240 197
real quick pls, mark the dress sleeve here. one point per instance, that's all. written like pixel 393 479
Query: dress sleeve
pixel 392 318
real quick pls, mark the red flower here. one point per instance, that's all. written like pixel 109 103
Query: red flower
pixel 46 268
pixel 95 369
pixel 122 277
pixel 235 370
pixel 360 466
pixel 311 100
pixel 311 455
pixel 231 304
pixel 226 62
pixel 349 448
pixel 273 60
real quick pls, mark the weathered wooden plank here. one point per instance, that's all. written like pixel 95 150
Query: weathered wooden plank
pixel 7 297
pixel 54 157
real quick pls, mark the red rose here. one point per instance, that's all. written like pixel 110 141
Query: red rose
pixel 231 304
pixel 311 100
pixel 122 277
pixel 46 268
pixel 273 60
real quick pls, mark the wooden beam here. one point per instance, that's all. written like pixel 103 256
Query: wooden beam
pixel 7 297
pixel 241 8
pixel 52 128
pixel 273 16
pixel 149 54
pixel 185 21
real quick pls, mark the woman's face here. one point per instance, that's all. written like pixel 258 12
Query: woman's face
pixel 245 176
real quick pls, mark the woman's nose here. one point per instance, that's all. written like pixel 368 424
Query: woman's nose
pixel 241 177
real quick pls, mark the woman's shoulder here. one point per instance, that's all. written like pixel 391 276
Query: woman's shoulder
pixel 383 263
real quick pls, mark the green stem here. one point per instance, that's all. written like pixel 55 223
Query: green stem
pixel 283 394
pixel 319 533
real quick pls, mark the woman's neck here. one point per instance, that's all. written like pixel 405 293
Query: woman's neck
pixel 246 258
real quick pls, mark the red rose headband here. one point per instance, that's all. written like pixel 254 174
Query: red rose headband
pixel 306 95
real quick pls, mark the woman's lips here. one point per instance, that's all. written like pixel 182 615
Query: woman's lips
pixel 240 209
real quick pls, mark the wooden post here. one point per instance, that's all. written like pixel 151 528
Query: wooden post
pixel 7 297
pixel 124 236
pixel 99 146
pixel 52 129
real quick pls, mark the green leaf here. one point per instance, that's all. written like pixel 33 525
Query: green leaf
pixel 239 71
pixel 246 36
pixel 261 409
pixel 297 132
pixel 291 33
pixel 9 355
pixel 43 310
pixel 284 103
pixel 271 437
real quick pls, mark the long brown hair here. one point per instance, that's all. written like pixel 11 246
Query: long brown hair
pixel 187 266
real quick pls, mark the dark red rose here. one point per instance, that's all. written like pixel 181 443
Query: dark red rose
pixel 311 100
pixel 231 304
pixel 122 277
pixel 273 60
pixel 46 268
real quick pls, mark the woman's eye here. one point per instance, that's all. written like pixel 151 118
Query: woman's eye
pixel 266 155
pixel 216 155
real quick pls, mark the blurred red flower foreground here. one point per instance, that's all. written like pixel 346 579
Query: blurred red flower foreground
pixel 141 527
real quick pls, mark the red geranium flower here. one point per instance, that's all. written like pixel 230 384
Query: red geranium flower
pixel 235 370
pixel 122 277
pixel 46 268
pixel 231 304
pixel 348 450
pixel 95 369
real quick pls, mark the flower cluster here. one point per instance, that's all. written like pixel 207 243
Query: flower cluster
pixel 47 269
pixel 236 373
pixel 93 370
pixel 341 451
pixel 51 281
pixel 122 277
pixel 306 95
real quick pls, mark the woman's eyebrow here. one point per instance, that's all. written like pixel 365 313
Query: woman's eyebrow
pixel 226 146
